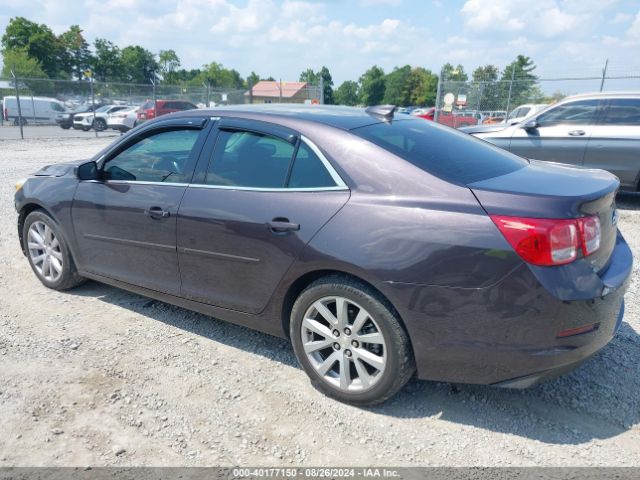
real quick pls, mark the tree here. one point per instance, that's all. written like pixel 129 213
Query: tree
pixel 422 86
pixel 37 41
pixel 485 93
pixel 454 74
pixel 396 91
pixel 252 79
pixel 347 93
pixel 19 61
pixel 168 63
pixel 107 61
pixel 215 75
pixel 76 52
pixel 309 76
pixel 523 88
pixel 327 85
pixel 372 86
pixel 138 64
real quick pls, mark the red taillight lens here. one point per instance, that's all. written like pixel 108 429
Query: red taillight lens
pixel 590 232
pixel 542 241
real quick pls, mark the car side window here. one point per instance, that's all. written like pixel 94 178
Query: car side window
pixel 622 111
pixel 249 159
pixel 581 112
pixel 308 170
pixel 162 157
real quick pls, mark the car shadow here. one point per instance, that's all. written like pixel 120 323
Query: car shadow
pixel 628 201
pixel 601 399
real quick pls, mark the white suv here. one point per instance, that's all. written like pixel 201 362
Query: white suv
pixel 98 119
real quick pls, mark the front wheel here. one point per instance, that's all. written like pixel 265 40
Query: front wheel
pixel 99 124
pixel 350 342
pixel 48 252
pixel 65 127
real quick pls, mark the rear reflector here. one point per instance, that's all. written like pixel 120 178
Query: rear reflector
pixel 546 242
pixel 578 331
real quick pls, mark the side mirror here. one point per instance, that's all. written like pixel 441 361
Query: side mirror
pixel 88 171
pixel 530 125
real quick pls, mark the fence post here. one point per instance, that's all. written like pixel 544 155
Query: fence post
pixel 280 89
pixel 15 84
pixel 321 91
pixel 93 105
pixel 155 100
pixel 250 90
pixel 513 73
pixel 604 74
pixel 208 97
pixel 438 92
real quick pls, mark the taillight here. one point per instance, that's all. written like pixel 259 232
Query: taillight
pixel 543 241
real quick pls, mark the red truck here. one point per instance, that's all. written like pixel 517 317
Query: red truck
pixel 452 119
pixel 148 111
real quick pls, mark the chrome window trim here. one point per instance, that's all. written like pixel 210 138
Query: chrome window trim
pixel 334 175
pixel 263 189
pixel 136 182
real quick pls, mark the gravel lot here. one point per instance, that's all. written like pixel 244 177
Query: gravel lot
pixel 99 376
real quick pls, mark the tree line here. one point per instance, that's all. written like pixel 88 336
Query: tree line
pixel 32 50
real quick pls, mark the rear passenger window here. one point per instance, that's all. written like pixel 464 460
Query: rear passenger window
pixel 622 111
pixel 308 170
pixel 249 159
pixel 572 113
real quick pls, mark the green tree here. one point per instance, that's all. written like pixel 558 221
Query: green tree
pixel 37 41
pixel 347 93
pixel 327 85
pixel 396 91
pixel 454 74
pixel 138 64
pixel 485 93
pixel 217 76
pixel 372 84
pixel 523 87
pixel 76 52
pixel 168 62
pixel 107 61
pixel 309 76
pixel 422 85
pixel 252 79
pixel 24 66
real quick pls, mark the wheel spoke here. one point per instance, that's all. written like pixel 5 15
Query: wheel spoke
pixel 38 259
pixel 47 235
pixel 374 337
pixel 314 346
pixel 359 321
pixel 342 313
pixel 316 327
pixel 56 254
pixel 56 265
pixel 363 375
pixel 345 372
pixel 35 246
pixel 46 266
pixel 326 313
pixel 326 365
pixel 371 358
pixel 55 243
pixel 36 237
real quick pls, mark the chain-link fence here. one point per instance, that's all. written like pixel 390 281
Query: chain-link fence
pixel 491 101
pixel 47 102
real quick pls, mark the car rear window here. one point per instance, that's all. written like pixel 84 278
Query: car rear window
pixel 442 151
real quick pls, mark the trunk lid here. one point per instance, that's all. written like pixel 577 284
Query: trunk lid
pixel 550 190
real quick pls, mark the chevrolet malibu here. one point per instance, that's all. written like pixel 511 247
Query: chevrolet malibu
pixel 380 246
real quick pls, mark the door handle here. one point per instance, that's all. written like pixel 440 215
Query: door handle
pixel 282 225
pixel 156 212
pixel 576 133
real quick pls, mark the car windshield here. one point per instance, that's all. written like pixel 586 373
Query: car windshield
pixel 103 109
pixel 442 151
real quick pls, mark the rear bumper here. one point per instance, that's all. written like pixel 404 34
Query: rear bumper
pixel 508 333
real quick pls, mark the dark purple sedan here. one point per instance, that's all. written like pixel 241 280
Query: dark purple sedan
pixel 381 246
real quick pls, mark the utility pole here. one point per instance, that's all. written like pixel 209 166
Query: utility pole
pixel 604 74
pixel 251 90
pixel 321 91
pixel 280 89
pixel 438 92
pixel 513 72
pixel 15 84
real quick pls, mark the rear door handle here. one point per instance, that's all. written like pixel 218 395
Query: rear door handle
pixel 156 212
pixel 576 133
pixel 282 225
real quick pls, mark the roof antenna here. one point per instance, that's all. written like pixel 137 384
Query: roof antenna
pixel 385 112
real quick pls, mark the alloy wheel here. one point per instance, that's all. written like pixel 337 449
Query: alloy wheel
pixel 344 344
pixel 44 251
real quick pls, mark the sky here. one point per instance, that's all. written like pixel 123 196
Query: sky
pixel 281 38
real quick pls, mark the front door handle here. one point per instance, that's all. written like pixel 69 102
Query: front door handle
pixel 576 133
pixel 156 212
pixel 282 225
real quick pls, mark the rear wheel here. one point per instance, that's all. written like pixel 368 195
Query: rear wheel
pixel 65 127
pixel 99 124
pixel 48 252
pixel 350 342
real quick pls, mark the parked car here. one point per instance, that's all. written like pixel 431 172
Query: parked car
pixel 148 110
pixel 599 130
pixel 123 120
pixel 378 245
pixel 453 119
pixel 493 116
pixel 65 120
pixel 34 109
pixel 523 111
pixel 96 120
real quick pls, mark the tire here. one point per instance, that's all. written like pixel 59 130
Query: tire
pixel 99 124
pixel 86 129
pixel 61 274
pixel 65 127
pixel 376 369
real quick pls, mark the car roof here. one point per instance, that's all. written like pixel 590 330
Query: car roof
pixel 345 118
pixel 603 95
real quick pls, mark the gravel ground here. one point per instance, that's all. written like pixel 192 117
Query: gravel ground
pixel 99 376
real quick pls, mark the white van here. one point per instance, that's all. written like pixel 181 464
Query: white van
pixel 34 109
